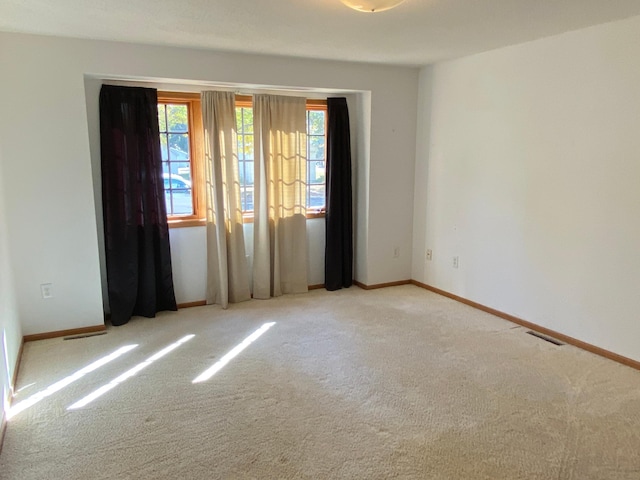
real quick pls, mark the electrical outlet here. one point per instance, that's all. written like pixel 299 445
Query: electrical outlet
pixel 429 255
pixel 456 261
pixel 396 252
pixel 47 290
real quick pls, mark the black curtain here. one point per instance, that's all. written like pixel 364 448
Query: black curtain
pixel 338 256
pixel 135 219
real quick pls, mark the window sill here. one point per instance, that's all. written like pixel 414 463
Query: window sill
pixel 248 217
pixel 186 222
pixel 202 222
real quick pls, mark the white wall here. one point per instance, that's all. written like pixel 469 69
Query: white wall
pixel 10 333
pixel 189 253
pixel 51 217
pixel 528 168
pixel 48 193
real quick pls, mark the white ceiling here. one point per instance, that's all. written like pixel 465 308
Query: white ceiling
pixel 417 32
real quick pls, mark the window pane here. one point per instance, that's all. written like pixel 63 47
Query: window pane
pixel 241 172
pixel 248 169
pixel 182 171
pixel 247 119
pixel 173 121
pixel 162 120
pixel 248 147
pixel 316 148
pixel 182 202
pixel 245 173
pixel 316 122
pixel 240 147
pixel 316 171
pixel 316 196
pixel 177 118
pixel 178 147
pixel 167 199
pixel 247 199
pixel 239 119
pixel 163 147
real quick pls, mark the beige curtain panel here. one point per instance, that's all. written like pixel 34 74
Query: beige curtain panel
pixel 227 271
pixel 280 173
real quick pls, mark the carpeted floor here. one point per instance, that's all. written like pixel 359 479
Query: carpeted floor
pixel 391 383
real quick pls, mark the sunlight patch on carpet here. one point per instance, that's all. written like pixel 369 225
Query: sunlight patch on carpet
pixel 207 374
pixel 128 374
pixel 51 389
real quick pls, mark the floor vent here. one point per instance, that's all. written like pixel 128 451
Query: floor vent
pixel 546 338
pixel 75 337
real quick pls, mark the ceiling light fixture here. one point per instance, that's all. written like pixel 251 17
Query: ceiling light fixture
pixel 372 6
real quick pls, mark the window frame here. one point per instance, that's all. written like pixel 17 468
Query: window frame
pixel 196 160
pixel 321 105
pixel 246 101
pixel 196 145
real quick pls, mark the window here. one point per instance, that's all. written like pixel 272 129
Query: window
pixel 244 128
pixel 316 154
pixel 179 118
pixel 182 146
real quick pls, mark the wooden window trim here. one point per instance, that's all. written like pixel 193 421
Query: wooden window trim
pixel 245 101
pixel 316 104
pixel 319 104
pixel 196 145
pixel 186 223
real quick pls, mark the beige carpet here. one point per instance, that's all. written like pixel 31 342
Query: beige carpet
pixel 392 383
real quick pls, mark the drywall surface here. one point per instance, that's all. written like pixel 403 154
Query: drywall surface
pixel 189 255
pixel 11 334
pixel 52 219
pixel 48 192
pixel 527 169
